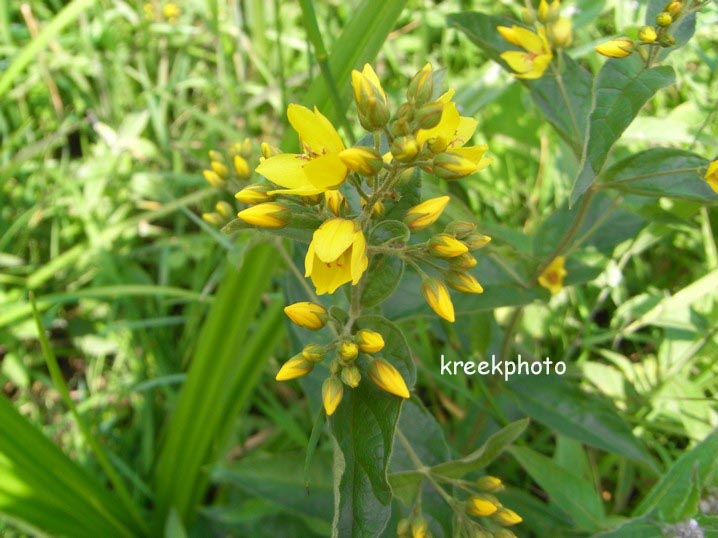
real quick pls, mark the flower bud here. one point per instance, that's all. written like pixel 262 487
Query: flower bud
pixel 438 298
pixel 419 527
pixel 295 367
pixel 543 12
pixel 224 209
pixel 369 341
pixel 348 350
pixel 370 99
pixel 266 215
pixel 446 246
pixel 311 316
pixel 463 262
pixel 241 167
pixel 404 148
pixel 363 160
pixel 313 352
pixel 666 40
pixel 269 151
pixel 560 33
pixel 463 282
pixel 332 392
pixel 616 48
pixel 451 165
pixel 489 483
pixel 647 34
pixel 215 155
pixel 528 16
pixel 403 528
pixel 351 376
pixel 401 127
pixel 429 115
pixel 244 148
pixel 334 201
pixel 426 213
pixel 255 194
pixel 476 241
pixel 482 505
pixel 506 517
pixel 459 228
pixel 664 19
pixel 213 179
pixel 213 218
pixel 220 169
pixel 387 378
pixel 421 87
pixel 674 8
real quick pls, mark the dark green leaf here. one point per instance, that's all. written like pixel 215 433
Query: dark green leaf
pixel 487 453
pixel 621 89
pixel 635 528
pixel 363 427
pixel 386 272
pixel 661 172
pixel 573 494
pixel 562 405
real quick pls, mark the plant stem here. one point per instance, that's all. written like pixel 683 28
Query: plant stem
pixel 423 469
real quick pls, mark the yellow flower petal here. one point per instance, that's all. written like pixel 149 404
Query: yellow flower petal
pixel 332 238
pixel 314 129
pixel 325 172
pixel 369 73
pixel 285 170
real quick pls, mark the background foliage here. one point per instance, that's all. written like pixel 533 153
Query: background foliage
pixel 163 336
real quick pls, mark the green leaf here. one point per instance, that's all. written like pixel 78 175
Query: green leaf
pixel 635 528
pixel 363 427
pixel 563 406
pixel 43 488
pixel 573 494
pixel 386 270
pixel 488 452
pixel 661 172
pixel 621 89
pixel 220 381
pixel 668 497
pixel 564 99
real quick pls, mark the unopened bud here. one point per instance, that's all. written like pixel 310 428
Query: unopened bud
pixel 674 8
pixel 460 228
pixel 213 218
pixel 224 209
pixel 616 48
pixel 446 246
pixel 372 106
pixel 369 341
pixel 647 34
pixel 667 40
pixel 560 33
pixel 419 527
pixel 489 483
pixel 241 167
pixel 332 392
pixel 421 87
pixel 269 151
pixel 451 165
pixel 215 155
pixel 255 194
pixel 266 215
pixel 482 505
pixel 401 127
pixel 543 12
pixel 476 241
pixel 335 201
pixel 463 282
pixel 438 298
pixel 664 19
pixel 295 367
pixel 429 115
pixel 504 516
pixel 463 262
pixel 311 316
pixel 528 16
pixel 404 148
pixel 348 350
pixel 363 160
pixel 387 378
pixel 426 213
pixel 213 179
pixel 221 169
pixel 351 376
pixel 314 352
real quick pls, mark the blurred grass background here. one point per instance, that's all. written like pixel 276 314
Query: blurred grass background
pixel 103 136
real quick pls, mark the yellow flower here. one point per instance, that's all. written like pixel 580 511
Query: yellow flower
pixel 552 277
pixel 370 98
pixel 295 367
pixel 266 215
pixel 332 392
pixel 336 255
pixel 533 61
pixel 506 517
pixel 616 48
pixel 426 213
pixel 311 316
pixel 369 341
pixel 463 282
pixel 452 132
pixel 387 378
pixel 711 175
pixel 482 505
pixel 316 170
pixel 438 298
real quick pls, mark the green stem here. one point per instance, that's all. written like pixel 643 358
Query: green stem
pixel 564 94
pixel 322 57
pixel 423 469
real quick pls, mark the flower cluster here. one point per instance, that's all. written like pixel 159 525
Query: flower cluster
pixel 552 32
pixel 482 514
pixel 651 38
pixel 227 172
pixel 170 12
pixel 337 196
